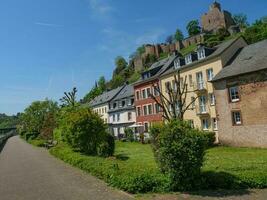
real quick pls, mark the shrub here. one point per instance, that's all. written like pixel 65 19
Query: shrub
pixel 57 135
pixel 107 147
pixel 129 134
pixel 210 136
pixel 179 150
pixel 85 131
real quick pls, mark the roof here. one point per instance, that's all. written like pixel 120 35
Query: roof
pixel 165 63
pixel 249 59
pixel 127 91
pixel 219 50
pixel 105 97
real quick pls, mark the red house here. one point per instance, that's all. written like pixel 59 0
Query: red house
pixel 147 110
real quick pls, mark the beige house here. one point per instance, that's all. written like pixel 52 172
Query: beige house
pixel 199 68
pixel 241 93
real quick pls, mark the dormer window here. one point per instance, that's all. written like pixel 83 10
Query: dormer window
pixel 146 75
pixel 188 59
pixel 177 64
pixel 114 105
pixel 201 53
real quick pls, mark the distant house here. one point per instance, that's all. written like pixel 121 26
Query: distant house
pixel 100 104
pixel 241 98
pixel 122 111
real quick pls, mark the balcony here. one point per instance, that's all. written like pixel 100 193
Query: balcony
pixel 203 110
pixel 200 87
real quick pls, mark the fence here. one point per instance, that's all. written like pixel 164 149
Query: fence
pixel 4 135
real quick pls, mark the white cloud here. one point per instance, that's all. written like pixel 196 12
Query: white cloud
pixel 47 24
pixel 100 9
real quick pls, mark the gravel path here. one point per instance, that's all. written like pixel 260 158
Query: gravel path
pixel 30 173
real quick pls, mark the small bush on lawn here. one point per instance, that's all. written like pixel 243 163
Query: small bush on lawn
pixel 180 151
pixel 85 131
pixel 129 134
pixel 37 142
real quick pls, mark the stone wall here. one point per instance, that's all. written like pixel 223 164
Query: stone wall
pixel 253 108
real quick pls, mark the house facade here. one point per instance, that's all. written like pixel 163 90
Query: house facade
pixel 147 109
pixel 198 69
pixel 241 94
pixel 122 111
pixel 100 104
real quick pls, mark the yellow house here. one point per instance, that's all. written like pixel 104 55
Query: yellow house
pixel 198 68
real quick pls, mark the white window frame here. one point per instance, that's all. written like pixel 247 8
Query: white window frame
pixel 201 53
pixel 234 97
pixel 237 120
pixel 210 74
pixel 215 124
pixel 206 123
pixel 212 99
pixel 137 111
pixel 188 59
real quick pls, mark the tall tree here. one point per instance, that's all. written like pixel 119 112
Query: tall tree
pixel 121 64
pixel 193 27
pixel 241 20
pixel 69 98
pixel 178 35
pixel 102 83
pixel 174 104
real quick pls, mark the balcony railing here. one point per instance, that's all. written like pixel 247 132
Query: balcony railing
pixel 202 109
pixel 200 87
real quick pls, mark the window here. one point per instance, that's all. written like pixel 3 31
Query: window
pixel 174 86
pixel 113 118
pixel 214 124
pixel 200 81
pixel 188 59
pixel 168 86
pixel 201 53
pixel 177 63
pixel 118 117
pixel 212 99
pixel 156 90
pixel 114 105
pixel 129 116
pixel 236 118
pixel 105 109
pixel 137 95
pixel 191 123
pixel 144 94
pixel 102 110
pixel 210 74
pixel 205 124
pixel 149 109
pixel 181 82
pixel 190 80
pixel 132 101
pixel 145 110
pixel 157 108
pixel 148 92
pixel 202 104
pixel 123 103
pixel 138 111
pixel 146 126
pixel 234 94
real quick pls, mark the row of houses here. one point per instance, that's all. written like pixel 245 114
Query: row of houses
pixel 229 82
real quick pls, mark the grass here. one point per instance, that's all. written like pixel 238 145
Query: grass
pixel 188 49
pixel 133 168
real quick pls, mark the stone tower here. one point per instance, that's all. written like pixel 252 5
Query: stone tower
pixel 216 18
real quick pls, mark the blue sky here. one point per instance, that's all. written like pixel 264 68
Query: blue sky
pixel 49 46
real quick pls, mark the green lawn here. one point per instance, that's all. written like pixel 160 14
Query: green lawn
pixel 133 168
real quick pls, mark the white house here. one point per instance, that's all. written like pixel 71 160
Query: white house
pixel 122 111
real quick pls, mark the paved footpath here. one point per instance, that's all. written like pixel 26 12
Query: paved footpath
pixel 31 173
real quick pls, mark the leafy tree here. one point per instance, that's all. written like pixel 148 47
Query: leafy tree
pixel 69 98
pixel 140 50
pixel 178 35
pixel 256 32
pixel 9 121
pixel 169 39
pixel 85 131
pixel 264 19
pixel 35 117
pixel 241 20
pixel 116 81
pixel 193 28
pixel 121 64
pixel 102 84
